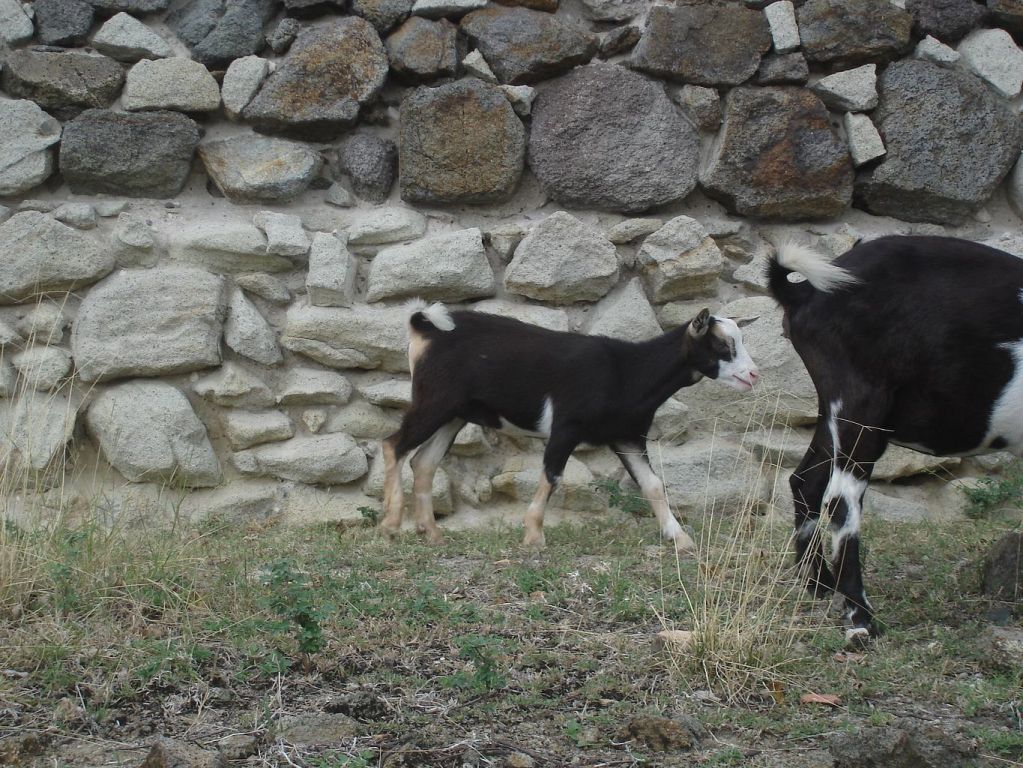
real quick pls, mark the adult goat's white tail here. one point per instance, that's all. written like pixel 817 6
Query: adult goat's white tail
pixel 815 267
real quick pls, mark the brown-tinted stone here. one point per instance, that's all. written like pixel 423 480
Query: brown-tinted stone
pixel 422 50
pixel 847 33
pixel 62 83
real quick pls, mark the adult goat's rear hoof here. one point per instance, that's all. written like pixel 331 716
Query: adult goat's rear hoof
pixel 860 637
pixel 534 540
pixel 432 536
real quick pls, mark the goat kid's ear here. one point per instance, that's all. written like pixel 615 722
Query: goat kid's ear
pixel 742 322
pixel 699 324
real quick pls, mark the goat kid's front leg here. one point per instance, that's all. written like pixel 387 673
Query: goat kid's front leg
pixel 809 482
pixel 637 463
pixel 555 457
pixel 393 496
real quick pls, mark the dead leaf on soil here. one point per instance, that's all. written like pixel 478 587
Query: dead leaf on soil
pixel 675 639
pixel 826 699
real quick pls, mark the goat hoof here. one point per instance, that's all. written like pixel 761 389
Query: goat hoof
pixel 433 536
pixel 857 637
pixel 389 532
pixel 535 541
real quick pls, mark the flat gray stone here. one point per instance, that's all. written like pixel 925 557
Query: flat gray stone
pixel 563 261
pixel 241 82
pixel 248 333
pixel 26 135
pixel 219 31
pixel 245 429
pixel 386 225
pixel 364 421
pixel 77 215
pixel 15 26
pixel 421 50
pixel 946 20
pixel 44 324
pixel 234 386
pixel 936 52
pixel 45 256
pixel 625 314
pixel 311 386
pixel 781 16
pixel 371 162
pixel 330 281
pixel 361 337
pixel 545 317
pixel 285 235
pixel 43 368
pixel 249 169
pixel 62 22
pixel 853 90
pixel 148 431
pixel 613 10
pixel 227 249
pixel 331 459
pixel 865 143
pixel 140 155
pixel 175 83
pixel 992 55
pixel 392 393
pixel 138 7
pixel 701 104
pixel 576 490
pixel 680 261
pixel 437 9
pixel 122 324
pixel 846 33
pixel 474 65
pixel 62 83
pixel 265 286
pixel 125 38
pixel 783 69
pixel 449 267
pixel 37 427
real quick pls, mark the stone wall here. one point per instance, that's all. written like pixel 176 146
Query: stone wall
pixel 214 211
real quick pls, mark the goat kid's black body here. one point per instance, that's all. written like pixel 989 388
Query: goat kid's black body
pixel 916 353
pixel 603 389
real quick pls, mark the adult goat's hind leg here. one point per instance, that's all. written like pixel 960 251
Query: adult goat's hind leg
pixel 424 467
pixel 559 448
pixel 858 443
pixel 808 483
pixel 418 426
pixel 633 456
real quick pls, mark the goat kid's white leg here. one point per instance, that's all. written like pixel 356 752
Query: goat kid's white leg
pixel 424 467
pixel 653 491
pixel 393 497
pixel 534 538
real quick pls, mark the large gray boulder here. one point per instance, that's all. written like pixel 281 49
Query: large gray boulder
pixel 139 155
pixel 680 261
pixel 15 26
pixel 252 168
pixel 231 248
pixel 707 476
pixel 330 281
pixel 422 50
pixel 174 83
pixel 371 162
pixel 42 255
pixel 604 137
pixel 331 459
pixel 63 22
pixel 361 337
pixel 234 386
pixel 62 83
pixel 245 429
pixel 950 141
pixel 219 31
pixel 523 46
pixel 149 323
pixel 460 143
pixel 624 314
pixel 318 88
pixel 563 261
pixel 778 157
pixel 148 431
pixel 26 135
pixel 702 44
pixel 248 333
pixel 448 267
pixel 847 33
pixel 946 20
pixel 384 15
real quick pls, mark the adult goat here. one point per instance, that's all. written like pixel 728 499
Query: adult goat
pixel 567 387
pixel 916 341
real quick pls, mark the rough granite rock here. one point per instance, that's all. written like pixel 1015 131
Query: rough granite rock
pixel 253 168
pixel 702 44
pixel 781 16
pixel 148 431
pixel 151 322
pixel 422 50
pixel 865 143
pixel 846 33
pixel 950 142
pixel 702 105
pixel 460 143
pixel 384 15
pixel 310 386
pixel 284 35
pixel 63 22
pixel 37 427
pixel 992 55
pixel 852 90
pixel 386 225
pixel 371 162
pixel 245 429
pixel 1007 14
pixel 778 157
pixel 15 26
pixel 576 489
pixel 906 743
pixel 140 155
pixel 136 7
pixel 26 135
pixel 945 20
pixel 285 235
pixel 618 40
pixel 524 46
pixel 360 337
pixel 42 368
pixel 436 9
pixel 545 317
pixel 62 83
pixel 331 459
pixel 625 314
pixel 563 261
pixel 330 281
pixel 175 83
pixel 125 38
pixel 241 82
pixel 936 52
pixel 679 261
pixel 450 267
pixel 319 87
pixel 608 138
pixel 225 248
pixel 233 386
pixel 1003 568
pixel 784 69
pixel 248 333
pixel 613 10
pixel 77 215
pixel 42 256
pixel 219 31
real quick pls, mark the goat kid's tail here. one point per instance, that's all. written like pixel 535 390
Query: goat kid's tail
pixel 820 274
pixel 424 318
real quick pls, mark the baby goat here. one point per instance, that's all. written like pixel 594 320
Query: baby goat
pixel 568 387
pixel 916 341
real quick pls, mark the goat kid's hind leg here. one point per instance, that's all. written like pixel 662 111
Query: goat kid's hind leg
pixel 857 446
pixel 424 467
pixel 417 427
pixel 809 482
pixel 637 463
pixel 555 457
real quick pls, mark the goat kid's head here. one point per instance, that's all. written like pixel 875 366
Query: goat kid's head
pixel 716 350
